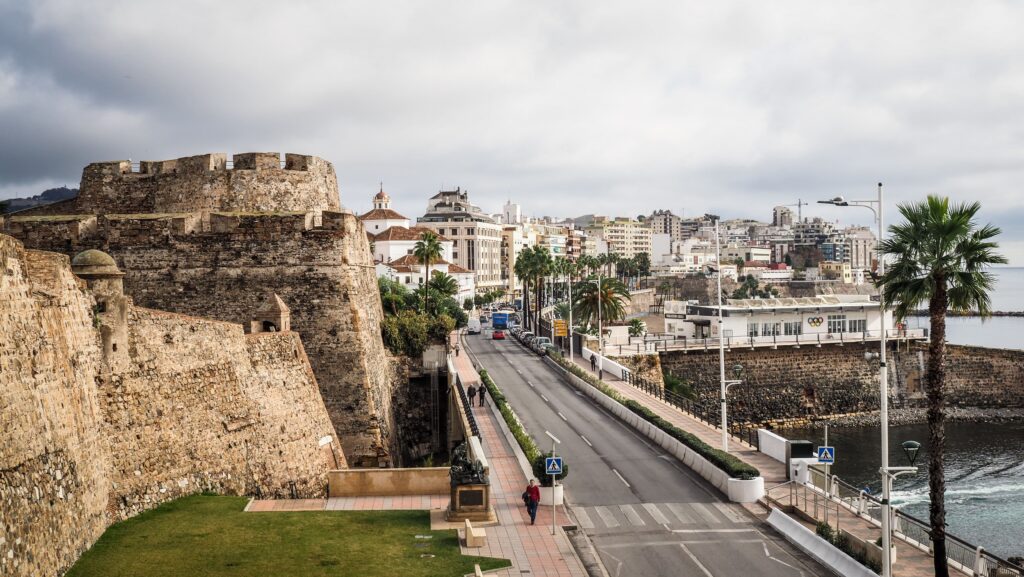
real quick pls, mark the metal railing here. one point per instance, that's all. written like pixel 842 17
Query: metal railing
pixel 744 432
pixel 972 559
pixel 667 342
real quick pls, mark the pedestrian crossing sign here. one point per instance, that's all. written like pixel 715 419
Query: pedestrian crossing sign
pixel 553 465
pixel 827 455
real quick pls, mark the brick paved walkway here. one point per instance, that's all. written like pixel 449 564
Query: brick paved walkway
pixel 910 562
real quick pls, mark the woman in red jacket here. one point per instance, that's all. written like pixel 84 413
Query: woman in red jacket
pixel 531 497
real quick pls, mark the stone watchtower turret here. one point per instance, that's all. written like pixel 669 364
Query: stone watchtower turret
pixel 272 316
pixel 105 281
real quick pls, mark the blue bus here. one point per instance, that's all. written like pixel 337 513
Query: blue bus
pixel 499 320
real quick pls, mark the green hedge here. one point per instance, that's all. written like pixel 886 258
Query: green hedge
pixel 524 439
pixel 736 468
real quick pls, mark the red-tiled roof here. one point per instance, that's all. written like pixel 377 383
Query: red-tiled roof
pixel 456 269
pixel 382 214
pixel 402 233
pixel 411 260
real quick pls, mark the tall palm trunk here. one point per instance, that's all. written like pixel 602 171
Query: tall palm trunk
pixel 526 303
pixel 538 287
pixel 936 423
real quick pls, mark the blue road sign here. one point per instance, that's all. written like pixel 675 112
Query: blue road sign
pixel 553 465
pixel 827 455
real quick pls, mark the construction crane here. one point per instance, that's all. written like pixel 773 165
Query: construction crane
pixel 799 209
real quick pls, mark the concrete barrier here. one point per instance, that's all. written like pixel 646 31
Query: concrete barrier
pixel 818 548
pixel 363 482
pixel 772 445
pixel 737 490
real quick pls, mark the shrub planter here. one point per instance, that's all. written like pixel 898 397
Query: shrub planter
pixel 549 493
pixel 745 490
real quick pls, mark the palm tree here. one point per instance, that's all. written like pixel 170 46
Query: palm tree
pixel 427 251
pixel 444 283
pixel 940 256
pixel 637 328
pixel 524 270
pixel 613 297
pixel 541 269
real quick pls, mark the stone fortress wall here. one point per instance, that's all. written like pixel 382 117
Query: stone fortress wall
pixel 196 238
pixel 109 409
pixel 809 382
pixel 256 182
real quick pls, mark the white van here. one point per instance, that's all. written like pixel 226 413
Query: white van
pixel 474 326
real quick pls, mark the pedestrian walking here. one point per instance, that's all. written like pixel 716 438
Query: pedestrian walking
pixel 457 349
pixel 483 394
pixel 593 362
pixel 471 391
pixel 531 498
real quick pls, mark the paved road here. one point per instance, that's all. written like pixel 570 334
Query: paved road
pixel 647 514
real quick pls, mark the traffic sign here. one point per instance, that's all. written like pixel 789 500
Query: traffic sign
pixel 561 328
pixel 827 455
pixel 553 465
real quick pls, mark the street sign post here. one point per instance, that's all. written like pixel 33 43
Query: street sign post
pixel 553 466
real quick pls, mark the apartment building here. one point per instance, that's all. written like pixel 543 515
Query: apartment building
pixel 476 237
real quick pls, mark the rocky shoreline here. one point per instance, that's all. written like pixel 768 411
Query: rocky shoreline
pixel 909 416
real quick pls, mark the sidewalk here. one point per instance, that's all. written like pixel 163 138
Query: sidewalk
pixel 532 549
pixel 910 561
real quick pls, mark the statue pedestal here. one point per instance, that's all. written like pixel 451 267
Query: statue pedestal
pixel 470 501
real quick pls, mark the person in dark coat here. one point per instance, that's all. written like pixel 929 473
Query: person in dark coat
pixel 531 498
pixel 483 395
pixel 593 362
pixel 471 391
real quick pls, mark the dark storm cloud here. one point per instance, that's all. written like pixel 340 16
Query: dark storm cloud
pixel 567 108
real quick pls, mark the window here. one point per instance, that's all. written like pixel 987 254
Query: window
pixel 793 328
pixel 857 325
pixel 440 231
pixel 752 329
pixel 771 329
pixel 837 323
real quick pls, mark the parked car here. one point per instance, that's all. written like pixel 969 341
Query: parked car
pixel 539 343
pixel 528 338
pixel 498 335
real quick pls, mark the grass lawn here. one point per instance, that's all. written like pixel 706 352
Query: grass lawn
pixel 205 535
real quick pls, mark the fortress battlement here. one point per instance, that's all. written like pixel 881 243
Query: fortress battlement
pixel 251 182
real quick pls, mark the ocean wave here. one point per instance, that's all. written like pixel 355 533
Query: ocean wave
pixel 956 495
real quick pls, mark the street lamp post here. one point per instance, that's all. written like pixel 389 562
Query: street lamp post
pixel 876 206
pixel 554 441
pixel 738 370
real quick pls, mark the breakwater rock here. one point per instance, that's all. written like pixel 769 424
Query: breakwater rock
pixel 908 416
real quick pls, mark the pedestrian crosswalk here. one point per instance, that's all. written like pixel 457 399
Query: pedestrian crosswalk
pixel 674 515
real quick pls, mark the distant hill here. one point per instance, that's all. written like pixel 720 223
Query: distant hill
pixel 46 197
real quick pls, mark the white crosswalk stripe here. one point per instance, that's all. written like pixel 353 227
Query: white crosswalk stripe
pixel 584 518
pixel 656 513
pixel 732 512
pixel 631 515
pixel 607 516
pixel 679 515
pixel 705 513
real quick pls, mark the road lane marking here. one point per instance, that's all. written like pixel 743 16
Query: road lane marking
pixel 731 512
pixel 529 383
pixel 694 558
pixel 621 478
pixel 656 513
pixel 543 397
pixel 706 513
pixel 680 512
pixel 632 516
pixel 607 516
pixel 585 440
pixel 563 417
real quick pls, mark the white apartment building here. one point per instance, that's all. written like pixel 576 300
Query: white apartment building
pixel 625 237
pixel 861 243
pixel 390 235
pixel 747 253
pixel 475 236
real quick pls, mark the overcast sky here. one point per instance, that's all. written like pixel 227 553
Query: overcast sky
pixel 565 107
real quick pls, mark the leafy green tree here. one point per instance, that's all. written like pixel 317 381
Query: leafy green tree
pixel 467 304
pixel 393 295
pixel 940 256
pixel 427 251
pixel 643 264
